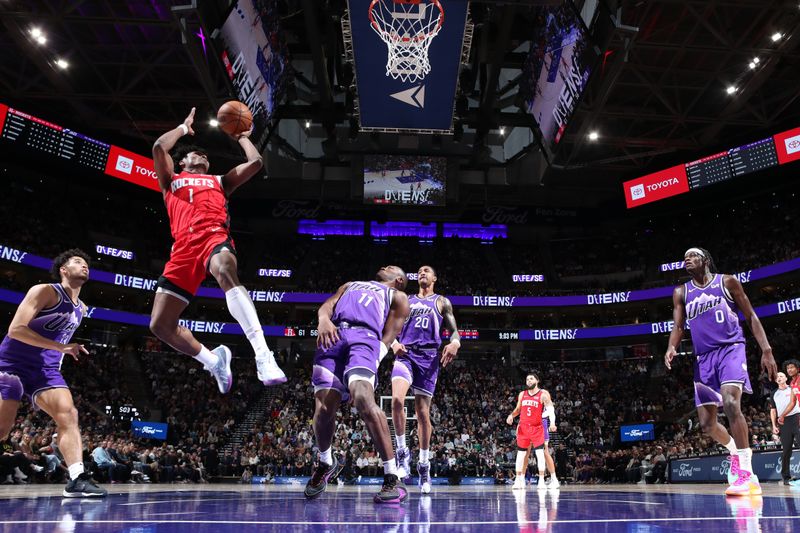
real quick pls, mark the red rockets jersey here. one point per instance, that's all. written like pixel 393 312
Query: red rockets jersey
pixel 795 384
pixel 531 408
pixel 195 201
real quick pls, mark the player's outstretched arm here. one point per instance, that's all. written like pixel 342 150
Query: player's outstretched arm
pixel 38 297
pixel 164 165
pixel 515 413
pixel 451 350
pixel 678 320
pixel 734 287
pixel 240 174
pixel 327 334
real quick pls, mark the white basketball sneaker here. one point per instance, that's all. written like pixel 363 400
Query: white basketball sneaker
pixel 222 370
pixel 269 373
pixel 519 483
pixel 554 484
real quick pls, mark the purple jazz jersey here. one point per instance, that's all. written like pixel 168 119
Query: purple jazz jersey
pixel 727 365
pixel 421 335
pixel 28 369
pixel 360 316
pixel 546 426
pixel 365 304
pixel 712 316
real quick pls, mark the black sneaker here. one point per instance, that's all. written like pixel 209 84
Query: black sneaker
pixel 319 479
pixel 393 490
pixel 84 487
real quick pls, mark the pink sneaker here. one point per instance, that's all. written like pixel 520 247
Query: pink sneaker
pixel 746 484
pixel 733 471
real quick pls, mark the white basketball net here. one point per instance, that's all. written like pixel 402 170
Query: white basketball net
pixel 407 27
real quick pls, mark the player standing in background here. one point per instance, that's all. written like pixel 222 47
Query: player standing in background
pixel 792 366
pixel 417 366
pixel 30 362
pixel 708 303
pixel 197 205
pixel 356 326
pixel 548 458
pixel 532 405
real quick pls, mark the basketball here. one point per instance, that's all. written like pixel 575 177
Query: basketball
pixel 234 117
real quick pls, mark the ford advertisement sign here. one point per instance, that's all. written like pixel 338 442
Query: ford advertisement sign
pixel 150 430
pixel 766 465
pixel 637 433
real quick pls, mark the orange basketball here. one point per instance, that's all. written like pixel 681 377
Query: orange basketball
pixel 234 117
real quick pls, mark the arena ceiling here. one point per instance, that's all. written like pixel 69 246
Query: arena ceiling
pixel 657 94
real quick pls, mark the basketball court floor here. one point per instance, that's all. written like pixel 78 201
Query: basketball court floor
pixel 240 508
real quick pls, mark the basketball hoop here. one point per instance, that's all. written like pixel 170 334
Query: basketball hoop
pixel 407 27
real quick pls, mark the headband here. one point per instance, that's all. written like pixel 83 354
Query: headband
pixel 697 251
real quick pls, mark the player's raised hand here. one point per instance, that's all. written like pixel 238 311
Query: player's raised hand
pixel 449 353
pixel 246 134
pixel 74 349
pixel 669 356
pixel 768 364
pixel 189 120
pixel 327 334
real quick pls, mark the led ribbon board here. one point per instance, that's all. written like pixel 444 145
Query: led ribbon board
pixel 407 55
pixel 149 284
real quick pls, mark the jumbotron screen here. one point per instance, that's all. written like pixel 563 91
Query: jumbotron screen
pixel 404 180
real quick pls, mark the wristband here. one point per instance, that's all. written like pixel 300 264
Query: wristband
pixel 184 128
pixel 456 342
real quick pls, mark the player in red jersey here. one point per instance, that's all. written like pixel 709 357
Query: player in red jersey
pixel 197 205
pixel 792 366
pixel 532 404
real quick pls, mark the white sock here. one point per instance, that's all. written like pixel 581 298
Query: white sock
pixel 389 467
pixel 326 456
pixel 401 441
pixel 424 456
pixel 75 470
pixel 745 459
pixel 540 459
pixel 731 446
pixel 242 309
pixel 520 462
pixel 207 357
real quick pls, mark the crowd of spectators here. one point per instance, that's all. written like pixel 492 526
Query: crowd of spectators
pixel 471 437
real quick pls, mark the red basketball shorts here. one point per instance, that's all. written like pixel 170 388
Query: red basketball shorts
pixel 530 435
pixel 189 262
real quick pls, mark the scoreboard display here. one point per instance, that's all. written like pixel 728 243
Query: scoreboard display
pixel 753 157
pixel 708 170
pixel 766 153
pixel 44 136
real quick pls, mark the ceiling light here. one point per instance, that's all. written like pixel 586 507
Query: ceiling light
pixel 593 135
pixel 731 89
pixel 752 65
pixel 35 32
pixel 502 130
pixel 213 123
pixel 41 39
pixel 308 124
pixel 756 60
pixel 776 36
pixel 62 64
